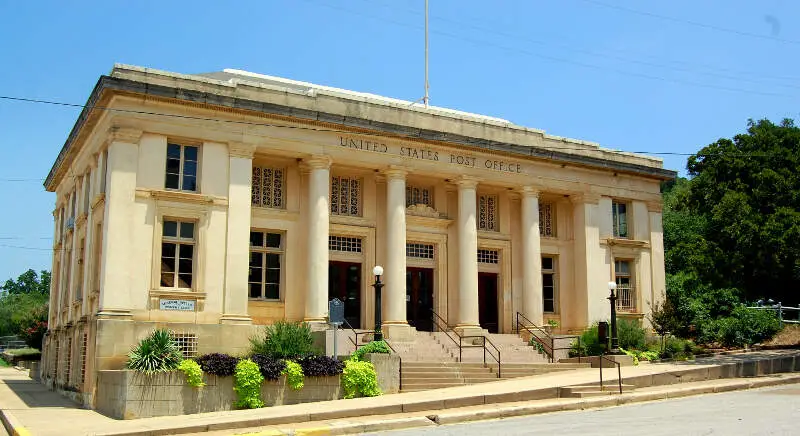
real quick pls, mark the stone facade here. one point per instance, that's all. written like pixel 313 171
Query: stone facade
pixel 210 204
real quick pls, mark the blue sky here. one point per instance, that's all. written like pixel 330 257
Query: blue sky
pixel 587 69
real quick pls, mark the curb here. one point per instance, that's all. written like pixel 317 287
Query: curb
pixel 349 427
pixel 12 424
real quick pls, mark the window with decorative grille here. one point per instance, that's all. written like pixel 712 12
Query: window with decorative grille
pixel 266 260
pixel 626 291
pixel 418 195
pixel 546 222
pixel 55 363
pixel 186 342
pixel 83 358
pixel 268 187
pixel 488 256
pixel 487 213
pixel 344 244
pixel 421 251
pixel 345 196
pixel 68 361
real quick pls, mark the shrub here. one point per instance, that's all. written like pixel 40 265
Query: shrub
pixel 270 368
pixel 294 375
pixel 193 373
pixel 247 381
pixel 218 364
pixel 589 343
pixel 372 347
pixel 155 353
pixel 746 327
pixel 34 334
pixel 321 366
pixel 359 379
pixel 630 334
pixel 284 340
pixel 538 345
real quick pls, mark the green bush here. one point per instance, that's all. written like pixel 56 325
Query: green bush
pixel 284 340
pixel 372 347
pixel 294 375
pixel 589 344
pixel 193 373
pixel 155 353
pixel 247 381
pixel 746 327
pixel 630 334
pixel 359 379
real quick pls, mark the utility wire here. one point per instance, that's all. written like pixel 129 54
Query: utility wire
pixel 690 22
pixel 564 60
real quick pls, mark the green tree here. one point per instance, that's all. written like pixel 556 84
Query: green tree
pixel 28 283
pixel 24 302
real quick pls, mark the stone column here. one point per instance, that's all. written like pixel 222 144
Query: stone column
pixel 318 232
pixel 659 287
pixel 394 320
pixel 236 293
pixel 467 319
pixel 532 304
pixel 115 274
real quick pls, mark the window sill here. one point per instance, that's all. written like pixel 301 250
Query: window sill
pixel 263 302
pixel 181 196
pixel 625 242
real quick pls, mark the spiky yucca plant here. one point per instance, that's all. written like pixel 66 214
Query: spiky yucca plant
pixel 155 353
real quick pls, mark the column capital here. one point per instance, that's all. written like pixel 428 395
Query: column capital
pixel 240 149
pixel 318 161
pixel 466 182
pixel 529 191
pixel 128 135
pixel 655 205
pixel 395 172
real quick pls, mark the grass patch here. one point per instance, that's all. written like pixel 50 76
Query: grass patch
pixel 787 337
pixel 3 363
pixel 23 352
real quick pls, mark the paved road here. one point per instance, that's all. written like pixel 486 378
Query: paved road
pixel 769 411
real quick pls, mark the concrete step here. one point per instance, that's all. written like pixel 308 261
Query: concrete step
pixel 593 390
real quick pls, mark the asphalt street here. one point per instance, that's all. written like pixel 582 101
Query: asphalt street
pixel 768 411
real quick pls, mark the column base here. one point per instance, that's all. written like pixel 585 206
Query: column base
pixel 398 331
pixel 229 318
pixel 120 314
pixel 317 323
pixel 470 330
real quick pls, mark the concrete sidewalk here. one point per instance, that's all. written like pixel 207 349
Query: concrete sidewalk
pixel 43 412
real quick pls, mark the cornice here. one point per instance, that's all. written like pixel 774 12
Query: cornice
pixel 128 135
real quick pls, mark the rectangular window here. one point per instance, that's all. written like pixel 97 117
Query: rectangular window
pixel 344 244
pixel 86 192
pixel 181 167
pixel 84 342
pixel 266 259
pixel 420 251
pixel 546 222
pixel 549 284
pixel 177 254
pixel 81 263
pixel 487 213
pixel 55 363
pixel 67 276
pixel 626 295
pixel 619 214
pixel 104 162
pixel 268 186
pixel 68 362
pixel 488 256
pixel 97 240
pixel 345 196
pixel 73 202
pixel 418 195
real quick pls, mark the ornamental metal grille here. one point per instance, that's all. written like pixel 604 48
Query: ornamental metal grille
pixel 83 358
pixel 626 292
pixel 55 362
pixel 186 342
pixel 420 251
pixel 68 361
pixel 344 244
pixel 418 195
pixel 488 256
pixel 546 227
pixel 268 187
pixel 487 213
pixel 345 196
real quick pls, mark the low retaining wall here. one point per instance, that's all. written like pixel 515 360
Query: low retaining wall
pixel 388 368
pixel 129 395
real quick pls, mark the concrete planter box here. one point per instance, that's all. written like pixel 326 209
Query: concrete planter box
pixel 388 368
pixel 125 394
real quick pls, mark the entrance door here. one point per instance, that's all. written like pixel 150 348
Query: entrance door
pixel 419 298
pixel 487 301
pixel 344 283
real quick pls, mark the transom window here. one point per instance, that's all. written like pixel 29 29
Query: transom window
pixel 619 212
pixel 266 259
pixel 181 167
pixel 549 284
pixel 487 213
pixel 345 196
pixel 268 187
pixel 546 224
pixel 488 256
pixel 177 254
pixel 421 251
pixel 344 243
pixel 626 295
pixel 418 195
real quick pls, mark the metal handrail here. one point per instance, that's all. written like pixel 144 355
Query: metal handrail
pixel 355 343
pixel 356 333
pixel 549 350
pixel 446 328
pixel 619 372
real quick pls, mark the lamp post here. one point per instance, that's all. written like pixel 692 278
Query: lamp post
pixel 613 299
pixel 378 272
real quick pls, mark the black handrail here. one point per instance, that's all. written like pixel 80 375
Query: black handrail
pixel 356 333
pixel 355 343
pixel 442 325
pixel 619 372
pixel 551 349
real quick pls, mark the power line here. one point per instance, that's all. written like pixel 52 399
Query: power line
pixel 603 54
pixel 22 180
pixel 690 22
pixel 21 247
pixel 567 61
